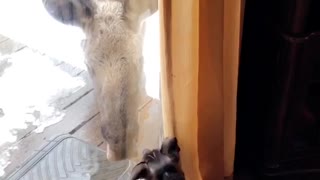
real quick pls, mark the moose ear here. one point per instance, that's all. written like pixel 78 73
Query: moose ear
pixel 71 12
pixel 135 11
pixel 140 171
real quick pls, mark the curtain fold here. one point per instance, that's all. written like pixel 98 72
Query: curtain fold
pixel 199 69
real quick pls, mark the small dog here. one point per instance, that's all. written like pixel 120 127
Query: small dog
pixel 160 164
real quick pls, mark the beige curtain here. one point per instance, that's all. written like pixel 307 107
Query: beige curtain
pixel 199 69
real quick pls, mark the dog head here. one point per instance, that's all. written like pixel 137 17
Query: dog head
pixel 160 164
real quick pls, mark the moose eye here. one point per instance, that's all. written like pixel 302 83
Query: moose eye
pixel 88 12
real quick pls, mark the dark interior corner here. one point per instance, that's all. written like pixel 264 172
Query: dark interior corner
pixel 278 119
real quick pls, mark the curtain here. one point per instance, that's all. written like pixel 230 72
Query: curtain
pixel 200 42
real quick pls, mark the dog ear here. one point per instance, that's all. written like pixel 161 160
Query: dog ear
pixel 136 11
pixel 71 12
pixel 140 171
pixel 171 148
pixel 145 154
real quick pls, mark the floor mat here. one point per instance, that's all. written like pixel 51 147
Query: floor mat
pixel 69 158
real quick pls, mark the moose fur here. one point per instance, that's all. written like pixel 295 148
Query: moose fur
pixel 113 52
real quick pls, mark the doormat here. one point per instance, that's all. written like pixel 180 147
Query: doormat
pixel 69 158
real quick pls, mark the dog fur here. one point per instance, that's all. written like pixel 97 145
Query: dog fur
pixel 160 164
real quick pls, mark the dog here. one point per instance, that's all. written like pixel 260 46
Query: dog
pixel 163 164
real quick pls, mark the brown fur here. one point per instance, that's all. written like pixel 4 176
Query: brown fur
pixel 113 50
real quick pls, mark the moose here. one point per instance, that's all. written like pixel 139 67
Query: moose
pixel 113 57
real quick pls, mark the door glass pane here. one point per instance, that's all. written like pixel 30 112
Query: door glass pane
pixel 88 69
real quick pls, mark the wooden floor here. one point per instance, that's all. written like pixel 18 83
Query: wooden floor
pixel 74 108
